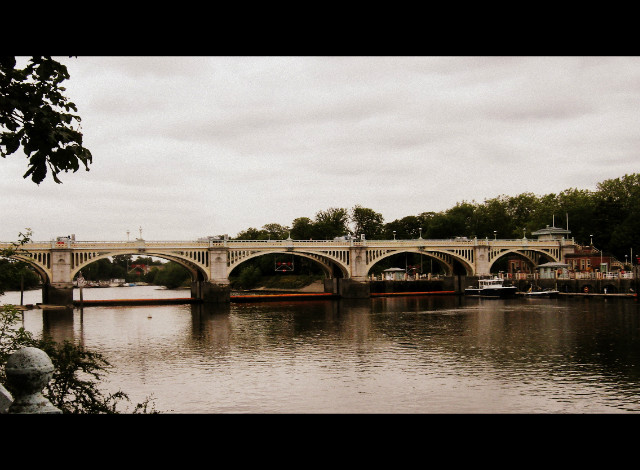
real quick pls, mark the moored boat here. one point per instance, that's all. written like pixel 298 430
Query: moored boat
pixel 493 287
pixel 542 293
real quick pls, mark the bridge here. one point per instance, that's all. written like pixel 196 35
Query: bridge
pixel 210 261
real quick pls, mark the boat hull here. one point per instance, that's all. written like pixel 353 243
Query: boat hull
pixel 546 294
pixel 498 292
pixel 494 292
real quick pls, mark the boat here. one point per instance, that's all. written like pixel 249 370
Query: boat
pixel 493 287
pixel 542 293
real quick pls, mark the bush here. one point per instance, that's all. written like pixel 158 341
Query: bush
pixel 172 276
pixel 249 277
pixel 74 386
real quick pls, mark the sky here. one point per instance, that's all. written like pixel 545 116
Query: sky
pixel 188 147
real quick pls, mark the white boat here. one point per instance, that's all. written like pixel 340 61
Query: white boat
pixel 542 293
pixel 492 287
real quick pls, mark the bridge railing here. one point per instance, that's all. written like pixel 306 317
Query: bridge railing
pixel 200 244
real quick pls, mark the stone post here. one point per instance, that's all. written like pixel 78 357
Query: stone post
pixel 28 371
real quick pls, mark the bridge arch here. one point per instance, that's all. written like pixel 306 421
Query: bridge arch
pixel 444 258
pixel 197 272
pixel 39 266
pixel 532 256
pixel 326 263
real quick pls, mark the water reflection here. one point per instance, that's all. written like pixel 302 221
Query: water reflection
pixel 381 355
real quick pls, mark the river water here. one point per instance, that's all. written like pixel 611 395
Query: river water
pixel 422 354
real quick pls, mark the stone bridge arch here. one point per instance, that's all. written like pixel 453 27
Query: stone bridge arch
pixel 196 265
pixel 40 263
pixel 532 255
pixel 327 261
pixel 445 258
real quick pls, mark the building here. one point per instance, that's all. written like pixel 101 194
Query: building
pixel 551 233
pixel 590 259
pixel 553 271
pixel 394 274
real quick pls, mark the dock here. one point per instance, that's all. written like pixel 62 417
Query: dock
pixel 169 301
pixel 281 297
pixel 603 296
pixel 389 294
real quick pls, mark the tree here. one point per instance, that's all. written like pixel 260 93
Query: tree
pixel 493 219
pixel 252 233
pixel 249 277
pixel 367 221
pixel 8 252
pixel 406 228
pixel 302 228
pixel 331 223
pixel 35 115
pixel 462 220
pixel 172 276
pixel 276 231
pixel 15 275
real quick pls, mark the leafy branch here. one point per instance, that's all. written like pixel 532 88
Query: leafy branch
pixel 36 116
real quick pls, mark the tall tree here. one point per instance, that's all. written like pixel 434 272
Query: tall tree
pixel 252 233
pixel 332 222
pixel 35 115
pixel 367 221
pixel 302 228
pixel 276 231
pixel 406 228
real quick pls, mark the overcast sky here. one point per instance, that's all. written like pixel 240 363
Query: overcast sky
pixel 185 147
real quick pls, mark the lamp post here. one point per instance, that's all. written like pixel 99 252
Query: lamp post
pixel 394 235
pixel 591 240
pixel 495 235
pixel 420 230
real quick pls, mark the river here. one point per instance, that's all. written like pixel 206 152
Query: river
pixel 422 354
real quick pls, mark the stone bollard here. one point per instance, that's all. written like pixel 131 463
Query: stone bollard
pixel 28 371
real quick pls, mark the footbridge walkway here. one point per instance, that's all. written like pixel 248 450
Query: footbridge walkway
pixel 211 260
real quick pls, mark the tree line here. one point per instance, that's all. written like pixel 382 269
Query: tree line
pixel 609 216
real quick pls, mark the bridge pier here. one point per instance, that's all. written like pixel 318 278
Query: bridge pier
pixel 211 292
pixel 58 294
pixel 353 289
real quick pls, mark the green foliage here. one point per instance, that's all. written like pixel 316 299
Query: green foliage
pixel 406 228
pixel 11 275
pixel 267 232
pixel 248 278
pixel 367 221
pixel 15 275
pixel 103 270
pixel 172 276
pixel 74 387
pixel 610 215
pixel 331 223
pixel 302 228
pixel 35 115
pixel 288 281
pixel 12 336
